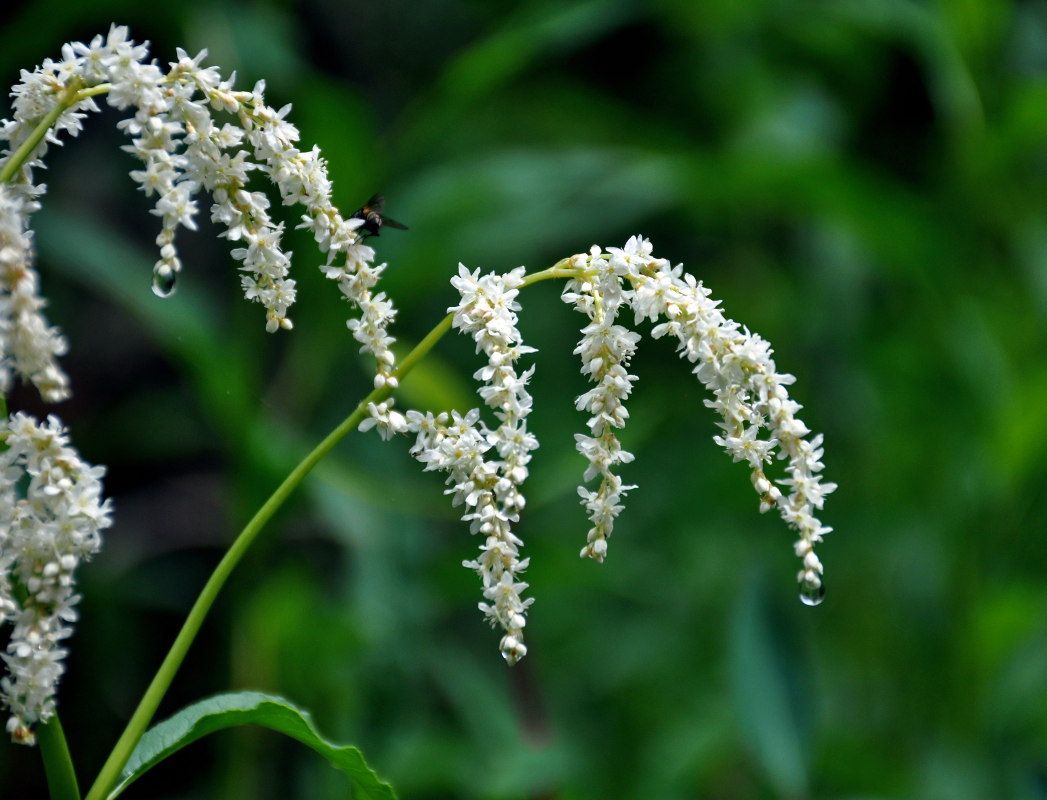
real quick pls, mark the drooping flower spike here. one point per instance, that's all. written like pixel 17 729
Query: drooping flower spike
pixel 758 417
pixel 44 535
pixel 485 466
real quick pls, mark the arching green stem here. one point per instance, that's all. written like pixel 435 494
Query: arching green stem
pixel 136 726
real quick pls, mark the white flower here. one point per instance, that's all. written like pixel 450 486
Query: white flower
pixel 385 419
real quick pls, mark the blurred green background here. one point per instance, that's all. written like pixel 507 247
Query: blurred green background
pixel 863 183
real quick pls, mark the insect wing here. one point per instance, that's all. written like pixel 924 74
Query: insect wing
pixel 392 223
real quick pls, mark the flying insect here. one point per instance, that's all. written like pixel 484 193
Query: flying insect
pixel 373 218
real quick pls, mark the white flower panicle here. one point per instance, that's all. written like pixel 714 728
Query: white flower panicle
pixel 759 418
pixel 44 535
pixel 184 151
pixel 606 349
pixel 485 466
pixel 29 347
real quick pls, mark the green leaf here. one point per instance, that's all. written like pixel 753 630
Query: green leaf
pixel 247 708
pixel 768 698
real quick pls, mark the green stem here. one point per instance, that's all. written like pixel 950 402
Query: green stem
pixel 422 348
pixel 136 726
pixel 58 764
pixel 557 270
pixel 69 98
pixel 142 716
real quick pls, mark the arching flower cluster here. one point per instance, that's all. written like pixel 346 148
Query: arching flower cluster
pixel 194 133
pixel 758 417
pixel 184 150
pixel 485 466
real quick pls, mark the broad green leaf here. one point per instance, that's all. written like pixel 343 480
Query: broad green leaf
pixel 247 708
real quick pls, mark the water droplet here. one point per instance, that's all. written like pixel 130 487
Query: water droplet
pixel 512 649
pixel 164 281
pixel 811 593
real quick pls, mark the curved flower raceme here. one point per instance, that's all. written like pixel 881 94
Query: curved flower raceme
pixel 186 149
pixel 758 417
pixel 759 420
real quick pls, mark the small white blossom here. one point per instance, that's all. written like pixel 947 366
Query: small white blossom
pixel 387 421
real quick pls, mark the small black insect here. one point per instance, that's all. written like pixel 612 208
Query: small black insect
pixel 371 214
